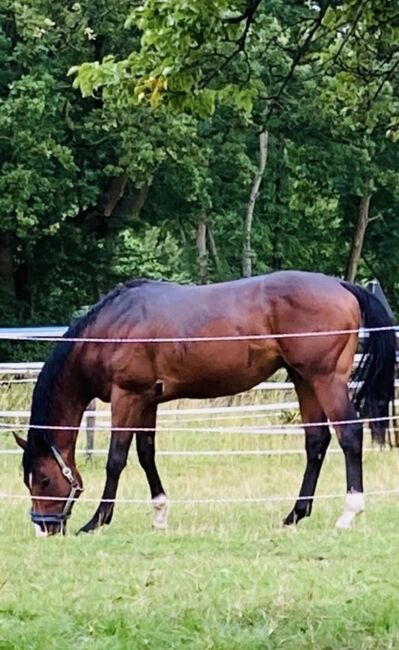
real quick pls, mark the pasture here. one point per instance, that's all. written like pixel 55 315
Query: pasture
pixel 224 576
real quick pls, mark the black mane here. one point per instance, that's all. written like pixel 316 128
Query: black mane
pixel 42 399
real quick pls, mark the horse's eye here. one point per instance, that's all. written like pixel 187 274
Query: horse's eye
pixel 45 482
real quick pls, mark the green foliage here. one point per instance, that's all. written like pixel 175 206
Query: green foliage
pixel 148 255
pixel 111 181
pixel 174 57
pixel 33 202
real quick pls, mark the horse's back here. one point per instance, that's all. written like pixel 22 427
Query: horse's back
pixel 231 312
pixel 151 299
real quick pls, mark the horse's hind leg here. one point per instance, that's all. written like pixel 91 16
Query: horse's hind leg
pixel 332 393
pixel 317 439
pixel 145 444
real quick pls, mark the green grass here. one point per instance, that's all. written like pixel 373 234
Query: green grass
pixel 223 577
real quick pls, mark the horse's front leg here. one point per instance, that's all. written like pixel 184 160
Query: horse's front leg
pixel 117 458
pixel 127 410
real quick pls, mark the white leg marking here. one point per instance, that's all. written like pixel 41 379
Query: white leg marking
pixel 39 532
pixel 354 505
pixel 160 518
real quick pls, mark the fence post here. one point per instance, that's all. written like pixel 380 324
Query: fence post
pixel 90 427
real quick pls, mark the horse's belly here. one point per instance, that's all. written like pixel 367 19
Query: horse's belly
pixel 215 376
pixel 212 388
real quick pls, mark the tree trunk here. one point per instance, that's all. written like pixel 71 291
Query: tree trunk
pixel 247 253
pixel 202 252
pixel 23 292
pixel 280 206
pixel 115 190
pixel 358 239
pixel 213 249
pixel 119 205
pixel 132 203
pixel 6 265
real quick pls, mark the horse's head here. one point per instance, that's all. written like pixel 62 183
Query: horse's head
pixel 53 483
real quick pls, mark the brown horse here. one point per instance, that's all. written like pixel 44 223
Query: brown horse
pixel 137 375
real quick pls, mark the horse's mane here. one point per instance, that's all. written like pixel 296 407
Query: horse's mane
pixel 48 379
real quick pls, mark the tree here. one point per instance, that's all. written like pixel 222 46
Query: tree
pixel 151 172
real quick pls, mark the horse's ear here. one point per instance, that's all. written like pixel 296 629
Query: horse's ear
pixel 20 441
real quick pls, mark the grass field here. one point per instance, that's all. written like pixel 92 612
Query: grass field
pixel 223 577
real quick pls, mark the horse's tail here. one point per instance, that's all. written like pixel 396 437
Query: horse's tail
pixel 374 377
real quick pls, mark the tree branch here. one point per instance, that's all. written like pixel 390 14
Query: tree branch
pixel 383 81
pixel 250 9
pixel 297 59
pixel 248 16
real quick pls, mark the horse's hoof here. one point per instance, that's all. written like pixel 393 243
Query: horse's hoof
pixel 160 516
pixel 90 527
pixel 344 523
pixel 354 506
pixel 290 520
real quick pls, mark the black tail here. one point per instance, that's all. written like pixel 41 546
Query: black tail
pixel 375 374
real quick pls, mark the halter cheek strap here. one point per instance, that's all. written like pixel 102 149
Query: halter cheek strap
pixel 60 518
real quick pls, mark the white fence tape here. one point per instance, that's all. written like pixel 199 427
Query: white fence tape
pixel 202 501
pixel 206 452
pixel 17 336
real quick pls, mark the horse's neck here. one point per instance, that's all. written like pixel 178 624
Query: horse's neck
pixel 69 404
pixel 66 428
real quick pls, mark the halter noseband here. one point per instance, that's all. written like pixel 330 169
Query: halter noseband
pixel 60 518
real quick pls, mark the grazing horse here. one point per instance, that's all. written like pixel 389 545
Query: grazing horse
pixel 200 342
